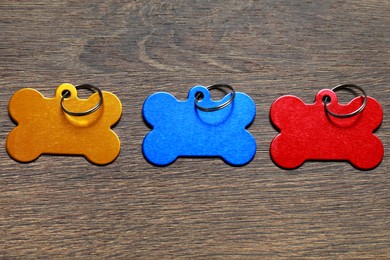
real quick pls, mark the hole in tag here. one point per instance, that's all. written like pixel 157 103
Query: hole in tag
pixel 199 96
pixel 65 93
pixel 326 100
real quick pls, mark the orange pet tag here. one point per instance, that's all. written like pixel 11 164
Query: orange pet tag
pixel 64 124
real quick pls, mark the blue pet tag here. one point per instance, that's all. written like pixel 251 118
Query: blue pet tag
pixel 199 126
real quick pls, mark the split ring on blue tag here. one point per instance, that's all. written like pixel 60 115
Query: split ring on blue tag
pixel 199 126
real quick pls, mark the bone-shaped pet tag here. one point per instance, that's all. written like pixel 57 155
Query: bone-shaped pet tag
pixel 64 124
pixel 327 130
pixel 199 126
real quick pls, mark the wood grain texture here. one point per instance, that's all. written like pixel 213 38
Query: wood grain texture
pixel 64 207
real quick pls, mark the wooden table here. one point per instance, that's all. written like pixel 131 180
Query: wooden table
pixel 65 207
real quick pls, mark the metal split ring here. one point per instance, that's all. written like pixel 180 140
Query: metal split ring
pixel 346 86
pixel 87 112
pixel 219 107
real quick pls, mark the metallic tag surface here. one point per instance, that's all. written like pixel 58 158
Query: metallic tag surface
pixel 308 132
pixel 44 128
pixel 180 129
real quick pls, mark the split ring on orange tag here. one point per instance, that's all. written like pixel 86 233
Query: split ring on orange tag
pixel 327 130
pixel 64 124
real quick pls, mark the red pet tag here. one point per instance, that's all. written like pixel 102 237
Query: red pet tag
pixel 327 130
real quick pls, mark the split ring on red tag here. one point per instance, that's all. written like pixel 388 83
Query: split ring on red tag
pixel 327 130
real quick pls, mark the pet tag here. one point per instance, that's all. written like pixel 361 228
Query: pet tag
pixel 64 124
pixel 199 126
pixel 327 130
